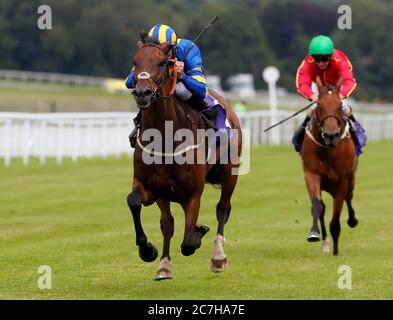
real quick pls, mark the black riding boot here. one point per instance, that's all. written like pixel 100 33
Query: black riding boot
pixel 133 135
pixel 198 104
pixel 299 133
pixel 352 130
pixel 208 115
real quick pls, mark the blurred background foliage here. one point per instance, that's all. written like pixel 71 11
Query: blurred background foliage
pixel 98 37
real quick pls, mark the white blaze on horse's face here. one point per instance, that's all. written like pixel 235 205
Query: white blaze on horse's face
pixel 330 117
pixel 143 76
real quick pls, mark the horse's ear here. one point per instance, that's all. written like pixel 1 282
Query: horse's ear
pixel 339 84
pixel 143 34
pixel 318 82
pixel 139 44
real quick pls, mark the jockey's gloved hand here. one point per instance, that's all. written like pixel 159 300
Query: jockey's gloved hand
pixel 314 97
pixel 179 68
pixel 346 109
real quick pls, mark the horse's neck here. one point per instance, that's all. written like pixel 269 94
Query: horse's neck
pixel 162 111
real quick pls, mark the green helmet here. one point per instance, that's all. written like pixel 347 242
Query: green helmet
pixel 321 45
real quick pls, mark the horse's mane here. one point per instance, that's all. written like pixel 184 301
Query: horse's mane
pixel 145 38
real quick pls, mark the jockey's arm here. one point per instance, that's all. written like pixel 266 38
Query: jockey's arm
pixel 130 84
pixel 193 77
pixel 195 81
pixel 304 80
pixel 349 83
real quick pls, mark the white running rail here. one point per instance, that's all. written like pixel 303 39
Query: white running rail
pixel 75 135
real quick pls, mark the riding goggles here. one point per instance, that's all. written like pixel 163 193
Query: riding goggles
pixel 321 57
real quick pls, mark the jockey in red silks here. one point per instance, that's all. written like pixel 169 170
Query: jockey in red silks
pixel 329 64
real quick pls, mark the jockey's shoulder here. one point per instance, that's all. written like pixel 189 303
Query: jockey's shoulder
pixel 338 56
pixel 183 44
pixel 182 41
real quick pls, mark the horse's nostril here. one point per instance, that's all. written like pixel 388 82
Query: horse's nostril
pixel 136 93
pixel 332 136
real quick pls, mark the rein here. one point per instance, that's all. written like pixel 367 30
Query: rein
pixel 169 154
pixel 345 134
pixel 320 122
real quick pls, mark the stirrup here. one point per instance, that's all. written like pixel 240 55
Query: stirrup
pixel 198 104
pixel 133 135
pixel 132 138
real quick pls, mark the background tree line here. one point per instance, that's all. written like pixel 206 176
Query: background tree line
pixel 98 37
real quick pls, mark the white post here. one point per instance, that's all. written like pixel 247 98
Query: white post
pixel 26 149
pixel 43 141
pixel 60 141
pixel 76 140
pixel 7 142
pixel 271 75
pixel 89 134
pixel 104 137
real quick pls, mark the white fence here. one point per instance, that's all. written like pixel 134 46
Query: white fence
pixel 88 135
pixel 51 77
pixel 62 135
pixel 377 126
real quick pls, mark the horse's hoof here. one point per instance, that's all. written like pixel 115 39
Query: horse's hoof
pixel 353 222
pixel 202 229
pixel 326 245
pixel 163 274
pixel 218 265
pixel 148 253
pixel 314 236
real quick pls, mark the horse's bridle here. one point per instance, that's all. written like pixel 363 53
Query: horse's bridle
pixel 156 95
pixel 320 122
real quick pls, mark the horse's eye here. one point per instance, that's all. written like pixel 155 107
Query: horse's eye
pixel 161 64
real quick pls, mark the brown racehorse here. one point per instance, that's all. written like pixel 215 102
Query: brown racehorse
pixel 181 183
pixel 329 163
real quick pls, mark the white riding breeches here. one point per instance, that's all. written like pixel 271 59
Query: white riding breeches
pixel 182 92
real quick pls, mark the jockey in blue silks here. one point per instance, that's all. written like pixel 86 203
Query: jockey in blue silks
pixel 191 86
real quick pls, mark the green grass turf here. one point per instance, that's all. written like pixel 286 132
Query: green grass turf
pixel 43 97
pixel 74 218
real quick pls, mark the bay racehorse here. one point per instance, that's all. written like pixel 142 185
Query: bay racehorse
pixel 329 163
pixel 163 182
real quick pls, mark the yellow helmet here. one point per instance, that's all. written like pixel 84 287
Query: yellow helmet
pixel 163 33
